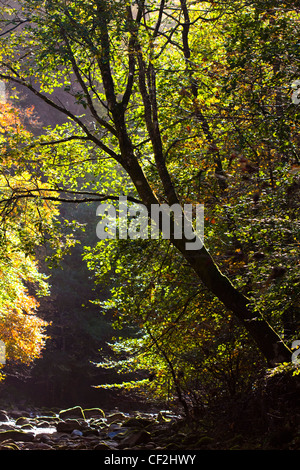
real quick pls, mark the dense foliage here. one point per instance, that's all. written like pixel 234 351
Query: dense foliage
pixel 174 102
pixel 21 330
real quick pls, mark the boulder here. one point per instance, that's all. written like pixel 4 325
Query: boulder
pixel 115 430
pixel 6 427
pixel 76 412
pixel 27 426
pixel 9 445
pixel 42 437
pixel 116 417
pixel 3 416
pixel 22 421
pixel 137 422
pixel 98 423
pixel 16 436
pixel 135 438
pixel 45 424
pixel 68 425
pixel 93 413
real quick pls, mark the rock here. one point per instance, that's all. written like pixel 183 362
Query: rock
pixel 76 433
pixel 16 436
pixel 116 433
pixel 43 438
pixel 205 441
pixel 75 412
pixel 90 432
pixel 22 421
pixel 27 426
pixel 6 427
pixel 68 425
pixel 9 445
pixel 162 419
pixel 3 416
pixel 98 423
pixel 38 446
pixel 137 422
pixel 93 413
pixel 150 445
pixel 45 424
pixel 116 417
pixel 135 438
pixel 114 426
pixel 46 419
pixel 102 446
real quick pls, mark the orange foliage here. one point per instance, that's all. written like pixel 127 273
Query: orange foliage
pixel 21 330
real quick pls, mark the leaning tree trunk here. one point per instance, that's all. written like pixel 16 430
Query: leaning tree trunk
pixel 268 341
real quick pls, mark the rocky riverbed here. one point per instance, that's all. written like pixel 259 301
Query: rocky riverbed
pixel 88 429
pixel 94 429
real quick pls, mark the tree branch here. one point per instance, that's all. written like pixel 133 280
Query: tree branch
pixel 75 67
pixel 91 137
pixel 25 194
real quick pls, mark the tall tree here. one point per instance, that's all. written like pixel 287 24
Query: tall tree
pixel 22 331
pixel 122 63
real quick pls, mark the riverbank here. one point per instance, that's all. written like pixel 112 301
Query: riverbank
pixel 87 429
pixel 94 429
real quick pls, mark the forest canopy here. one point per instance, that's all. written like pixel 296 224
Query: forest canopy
pixel 170 102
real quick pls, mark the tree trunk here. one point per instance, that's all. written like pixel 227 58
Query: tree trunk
pixel 267 340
